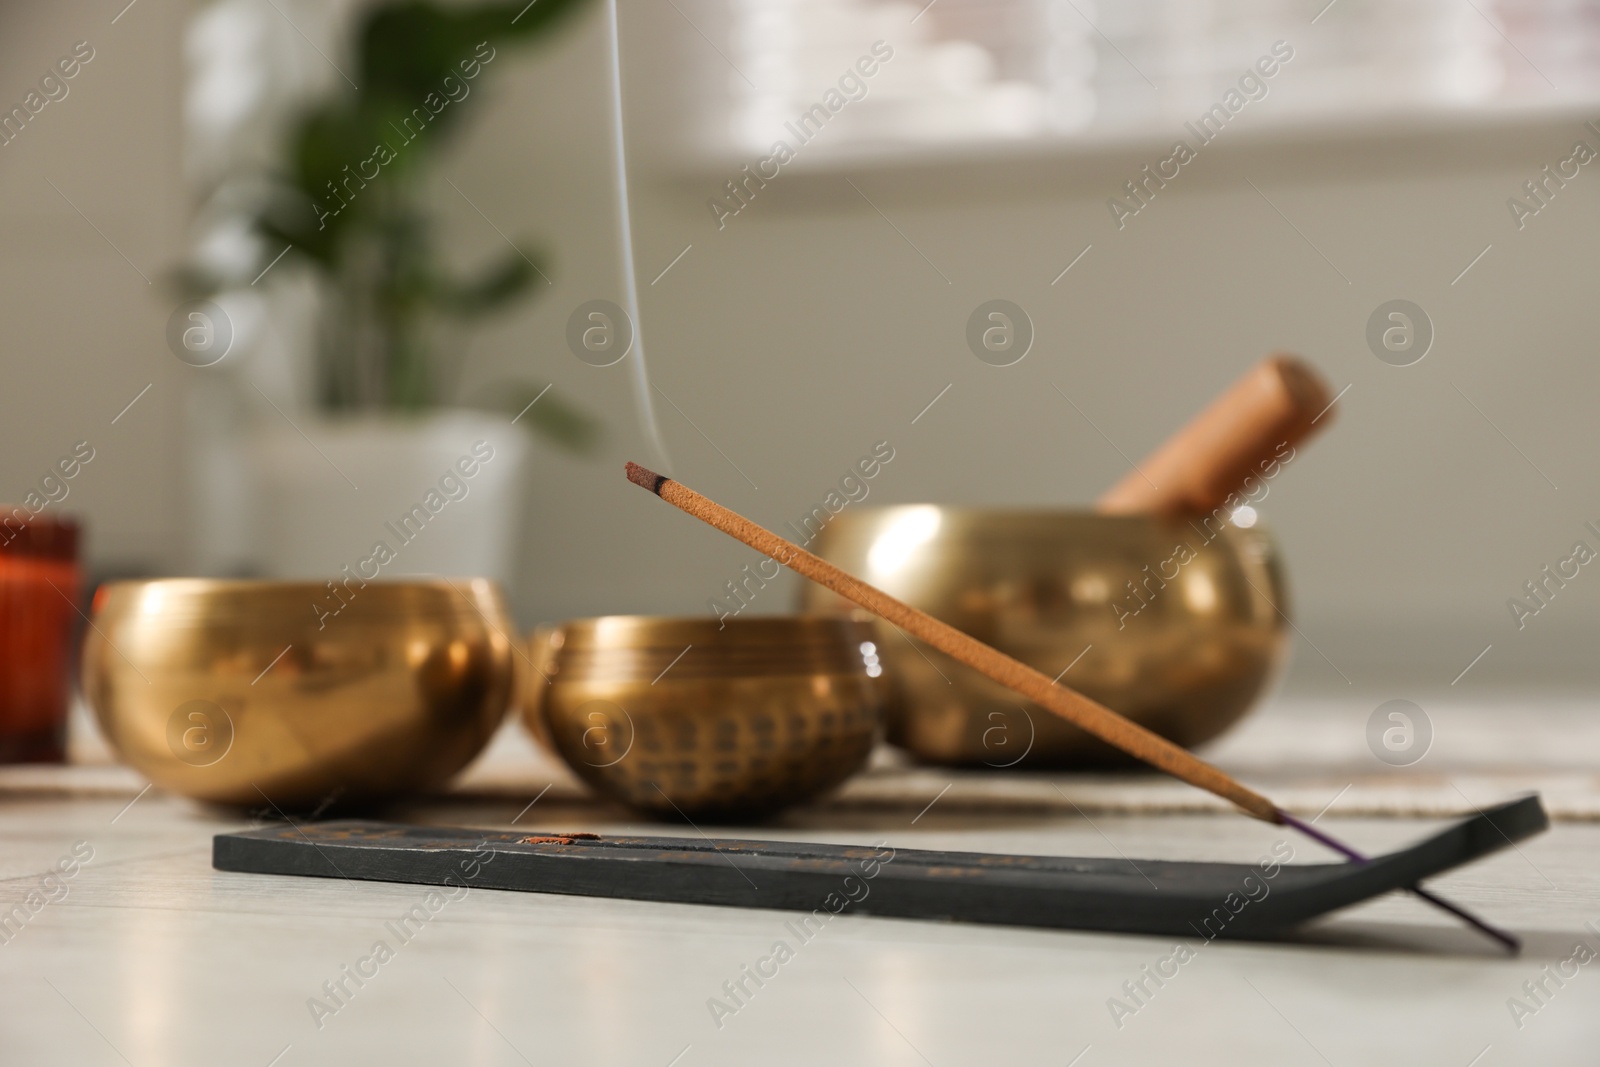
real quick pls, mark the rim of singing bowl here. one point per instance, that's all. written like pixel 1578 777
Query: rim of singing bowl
pixel 967 519
pixel 808 629
pixel 187 600
pixel 971 539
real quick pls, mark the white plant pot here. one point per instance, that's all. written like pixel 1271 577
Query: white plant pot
pixel 391 498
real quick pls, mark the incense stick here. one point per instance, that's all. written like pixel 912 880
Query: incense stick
pixel 1076 708
pixel 1088 715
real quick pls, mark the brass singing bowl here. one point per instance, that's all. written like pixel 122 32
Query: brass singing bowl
pixel 257 693
pixel 1178 625
pixel 697 719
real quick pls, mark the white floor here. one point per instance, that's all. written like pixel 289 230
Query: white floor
pixel 148 957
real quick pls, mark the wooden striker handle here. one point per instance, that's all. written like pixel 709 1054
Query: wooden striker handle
pixel 1279 402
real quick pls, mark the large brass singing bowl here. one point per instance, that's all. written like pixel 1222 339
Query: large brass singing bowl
pixel 1180 626
pixel 692 718
pixel 260 694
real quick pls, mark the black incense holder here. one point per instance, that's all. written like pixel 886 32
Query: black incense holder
pixel 1261 900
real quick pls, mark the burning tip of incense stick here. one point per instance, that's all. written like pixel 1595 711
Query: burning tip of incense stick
pixel 645 478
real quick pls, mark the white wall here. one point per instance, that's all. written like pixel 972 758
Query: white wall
pixel 82 327
pixel 809 329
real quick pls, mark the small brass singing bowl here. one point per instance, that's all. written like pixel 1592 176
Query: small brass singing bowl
pixel 1178 625
pixel 696 719
pixel 295 696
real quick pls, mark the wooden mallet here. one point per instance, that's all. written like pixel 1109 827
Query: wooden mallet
pixel 1278 403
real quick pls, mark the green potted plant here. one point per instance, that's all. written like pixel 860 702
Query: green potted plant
pixel 349 204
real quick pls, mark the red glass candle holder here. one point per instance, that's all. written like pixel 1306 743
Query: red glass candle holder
pixel 40 582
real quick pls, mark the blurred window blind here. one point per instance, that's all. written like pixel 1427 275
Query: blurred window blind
pixel 972 73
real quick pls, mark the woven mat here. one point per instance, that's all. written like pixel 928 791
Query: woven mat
pixel 1307 754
